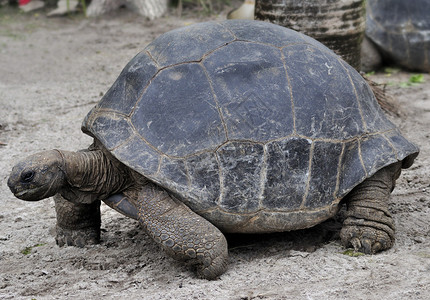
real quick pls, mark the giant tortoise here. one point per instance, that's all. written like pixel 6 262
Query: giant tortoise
pixel 401 31
pixel 235 126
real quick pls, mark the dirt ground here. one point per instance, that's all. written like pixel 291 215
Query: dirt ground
pixel 52 71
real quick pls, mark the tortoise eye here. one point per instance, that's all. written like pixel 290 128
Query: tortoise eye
pixel 27 176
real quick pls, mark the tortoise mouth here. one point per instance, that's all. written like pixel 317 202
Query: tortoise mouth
pixel 32 194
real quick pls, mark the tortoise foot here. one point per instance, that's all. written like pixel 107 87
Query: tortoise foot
pixel 77 224
pixel 183 234
pixel 213 262
pixel 77 237
pixel 366 236
pixel 368 226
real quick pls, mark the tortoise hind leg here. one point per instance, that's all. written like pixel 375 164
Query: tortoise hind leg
pixel 368 226
pixel 77 224
pixel 183 234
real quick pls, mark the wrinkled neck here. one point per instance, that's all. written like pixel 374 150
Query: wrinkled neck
pixel 92 173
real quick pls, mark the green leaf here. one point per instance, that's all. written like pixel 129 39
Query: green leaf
pixel 352 253
pixel 416 78
pixel 390 71
pixel 404 84
pixel 27 250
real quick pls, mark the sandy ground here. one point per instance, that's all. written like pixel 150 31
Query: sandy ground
pixel 52 71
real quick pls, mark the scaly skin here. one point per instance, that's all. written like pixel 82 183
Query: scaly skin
pixel 183 234
pixel 369 227
pixel 77 224
pixel 79 180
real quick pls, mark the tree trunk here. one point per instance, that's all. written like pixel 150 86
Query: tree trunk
pixel 338 24
pixel 150 9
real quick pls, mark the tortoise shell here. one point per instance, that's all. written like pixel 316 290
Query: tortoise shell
pixel 255 127
pixel 401 29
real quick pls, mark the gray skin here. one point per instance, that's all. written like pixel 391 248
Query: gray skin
pixel 234 126
pixel 79 179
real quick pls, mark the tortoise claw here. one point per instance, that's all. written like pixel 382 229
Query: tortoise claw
pixel 367 240
pixel 355 243
pixel 377 247
pixel 366 246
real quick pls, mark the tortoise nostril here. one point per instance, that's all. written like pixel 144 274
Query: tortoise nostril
pixel 27 176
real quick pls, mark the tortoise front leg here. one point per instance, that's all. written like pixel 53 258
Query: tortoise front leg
pixel 77 224
pixel 183 234
pixel 369 227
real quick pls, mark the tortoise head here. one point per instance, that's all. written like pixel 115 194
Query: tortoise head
pixel 37 177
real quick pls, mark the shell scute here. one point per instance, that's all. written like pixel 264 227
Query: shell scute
pixel 138 155
pixel 351 168
pixel 204 174
pixel 102 125
pixel 324 174
pixel 241 166
pixel 244 76
pixel 376 152
pixel 275 36
pixel 287 173
pixel 177 113
pixel 189 43
pixel 325 104
pixel 371 112
pixel 132 81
